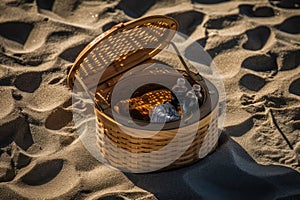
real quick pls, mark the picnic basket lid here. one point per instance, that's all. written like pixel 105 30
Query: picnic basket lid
pixel 122 47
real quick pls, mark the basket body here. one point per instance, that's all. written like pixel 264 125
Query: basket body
pixel 101 67
pixel 135 154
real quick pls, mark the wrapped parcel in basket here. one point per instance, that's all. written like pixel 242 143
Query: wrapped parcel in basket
pixel 150 116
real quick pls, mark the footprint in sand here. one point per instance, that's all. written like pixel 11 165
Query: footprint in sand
pixel 257 38
pixel 46 175
pixel 71 53
pixel 47 5
pixel 260 63
pixel 188 21
pixel 289 60
pixel 16 31
pixel 226 44
pixel 221 22
pixel 28 82
pixel 59 36
pixel 6 81
pixel 58 119
pixel 256 11
pixel 17 131
pixel 290 25
pixel 295 87
pixel 43 172
pixel 252 82
pixel 23 36
pixel 135 8
pixel 263 11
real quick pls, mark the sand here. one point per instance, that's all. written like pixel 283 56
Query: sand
pixel 256 46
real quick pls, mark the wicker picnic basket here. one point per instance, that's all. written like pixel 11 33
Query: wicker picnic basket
pixel 122 59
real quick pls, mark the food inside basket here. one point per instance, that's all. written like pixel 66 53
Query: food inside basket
pixel 143 107
pixel 162 105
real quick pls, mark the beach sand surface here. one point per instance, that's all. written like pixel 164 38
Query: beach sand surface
pixel 254 44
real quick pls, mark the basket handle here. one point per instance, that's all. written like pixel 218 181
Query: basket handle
pixel 197 77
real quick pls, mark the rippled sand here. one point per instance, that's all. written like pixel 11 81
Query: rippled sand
pixel 256 46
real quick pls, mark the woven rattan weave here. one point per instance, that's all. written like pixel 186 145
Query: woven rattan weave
pixel 103 63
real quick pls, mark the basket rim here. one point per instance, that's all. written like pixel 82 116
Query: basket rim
pixel 206 118
pixel 116 29
pixel 210 103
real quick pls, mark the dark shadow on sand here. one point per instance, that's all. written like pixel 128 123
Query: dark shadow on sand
pixel 228 173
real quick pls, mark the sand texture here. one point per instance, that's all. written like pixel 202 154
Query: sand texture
pixel 256 46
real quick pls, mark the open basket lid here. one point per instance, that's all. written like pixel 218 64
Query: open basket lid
pixel 121 48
